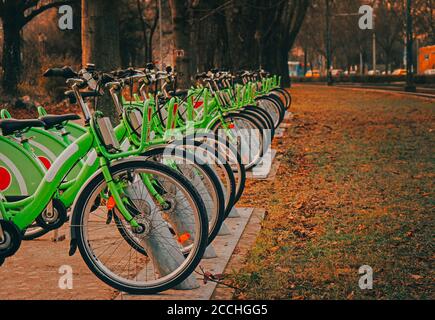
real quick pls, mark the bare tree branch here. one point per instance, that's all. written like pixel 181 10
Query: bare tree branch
pixel 43 8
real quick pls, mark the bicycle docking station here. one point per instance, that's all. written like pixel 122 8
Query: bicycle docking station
pixel 282 129
pixel 225 246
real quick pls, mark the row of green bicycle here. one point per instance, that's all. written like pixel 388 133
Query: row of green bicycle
pixel 145 198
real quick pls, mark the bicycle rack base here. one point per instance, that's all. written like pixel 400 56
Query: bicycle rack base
pixel 234 213
pixel 224 247
pixel 288 116
pixel 266 169
pixel 224 231
pixel 210 252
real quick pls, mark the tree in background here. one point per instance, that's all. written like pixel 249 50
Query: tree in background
pixel 277 35
pixel 349 43
pixel 181 11
pixel 15 14
pixel 248 33
pixel 209 37
pixel 389 27
pixel 148 12
pixel 138 24
pixel 424 21
pixel 262 32
pixel 100 40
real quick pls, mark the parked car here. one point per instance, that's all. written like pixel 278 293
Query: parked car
pixel 312 74
pixel 349 73
pixel 430 72
pixel 399 72
pixel 373 72
pixel 337 72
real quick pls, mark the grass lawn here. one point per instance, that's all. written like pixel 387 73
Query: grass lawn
pixel 355 187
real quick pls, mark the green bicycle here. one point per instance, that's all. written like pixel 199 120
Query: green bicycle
pixel 139 190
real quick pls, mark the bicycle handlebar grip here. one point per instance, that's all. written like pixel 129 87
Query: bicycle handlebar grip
pixel 65 72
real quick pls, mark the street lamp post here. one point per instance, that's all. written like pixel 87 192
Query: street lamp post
pixel 328 42
pixel 410 86
pixel 374 53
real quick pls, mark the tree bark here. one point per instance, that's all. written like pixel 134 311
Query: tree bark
pixel 241 20
pixel 11 53
pixel 181 32
pixel 100 41
pixel 12 14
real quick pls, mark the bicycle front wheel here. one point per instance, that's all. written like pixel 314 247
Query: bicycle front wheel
pixel 173 233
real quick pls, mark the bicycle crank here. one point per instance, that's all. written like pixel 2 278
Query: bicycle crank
pixel 11 241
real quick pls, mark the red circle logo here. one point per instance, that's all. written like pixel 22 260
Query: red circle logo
pixel 45 162
pixel 5 179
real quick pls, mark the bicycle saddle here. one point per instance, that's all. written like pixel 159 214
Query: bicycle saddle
pixel 10 126
pixel 51 121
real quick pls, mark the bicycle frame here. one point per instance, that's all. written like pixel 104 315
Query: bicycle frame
pixel 22 213
pixel 25 211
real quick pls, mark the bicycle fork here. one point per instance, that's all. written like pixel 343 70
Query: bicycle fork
pixel 115 193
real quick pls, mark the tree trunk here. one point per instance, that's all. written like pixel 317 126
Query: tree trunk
pixel 387 63
pixel 181 32
pixel 11 54
pixel 282 67
pixel 276 62
pixel 241 22
pixel 144 31
pixel 100 41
